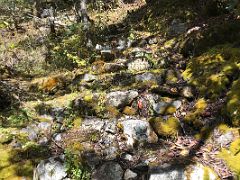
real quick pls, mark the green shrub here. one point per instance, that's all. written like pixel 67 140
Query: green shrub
pixel 75 167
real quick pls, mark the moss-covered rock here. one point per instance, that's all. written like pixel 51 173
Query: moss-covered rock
pixel 167 128
pixel 166 106
pixel 194 116
pixel 212 72
pixel 233 103
pixel 13 165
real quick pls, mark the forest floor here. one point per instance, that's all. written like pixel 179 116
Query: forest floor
pixel 154 95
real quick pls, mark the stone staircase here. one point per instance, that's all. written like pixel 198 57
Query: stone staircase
pixel 123 114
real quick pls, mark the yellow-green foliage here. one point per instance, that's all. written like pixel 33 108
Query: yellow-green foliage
pixel 223 128
pixel 77 122
pixel 208 172
pixel 167 128
pixel 194 116
pixel 169 44
pixel 76 147
pixel 210 72
pixel 233 103
pixel 170 110
pixel 88 96
pixel 232 157
pixel 70 51
pixel 5 135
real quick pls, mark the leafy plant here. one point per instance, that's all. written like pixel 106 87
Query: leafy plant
pixel 75 167
pixel 18 119
pixel 70 49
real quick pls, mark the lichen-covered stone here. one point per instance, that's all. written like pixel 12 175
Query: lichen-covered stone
pixel 5 136
pixel 148 78
pixel 168 172
pixel 120 98
pixel 138 65
pixel 187 92
pixel 171 77
pixel 50 169
pixel 137 131
pixel 130 175
pixel 166 108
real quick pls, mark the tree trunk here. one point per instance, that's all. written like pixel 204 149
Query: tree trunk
pixel 82 14
pixel 51 21
pixel 37 8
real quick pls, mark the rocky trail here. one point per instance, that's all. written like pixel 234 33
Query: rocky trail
pixel 130 114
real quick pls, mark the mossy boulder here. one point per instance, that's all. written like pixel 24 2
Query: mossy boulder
pixel 212 72
pixel 12 166
pixel 167 128
pixel 194 116
pixel 233 103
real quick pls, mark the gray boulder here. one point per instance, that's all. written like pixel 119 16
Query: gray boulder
pixel 108 171
pixel 225 139
pixel 89 77
pixel 50 169
pixel 148 77
pixel 169 173
pixel 128 175
pixel 172 172
pixel 139 65
pixel 138 131
pixel 120 98
pixel 166 107
pixel 32 132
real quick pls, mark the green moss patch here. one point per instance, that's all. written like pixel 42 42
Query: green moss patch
pixel 213 71
pixel 233 103
pixel 5 136
pixel 12 166
pixel 194 116
pixel 167 128
pixel 232 156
